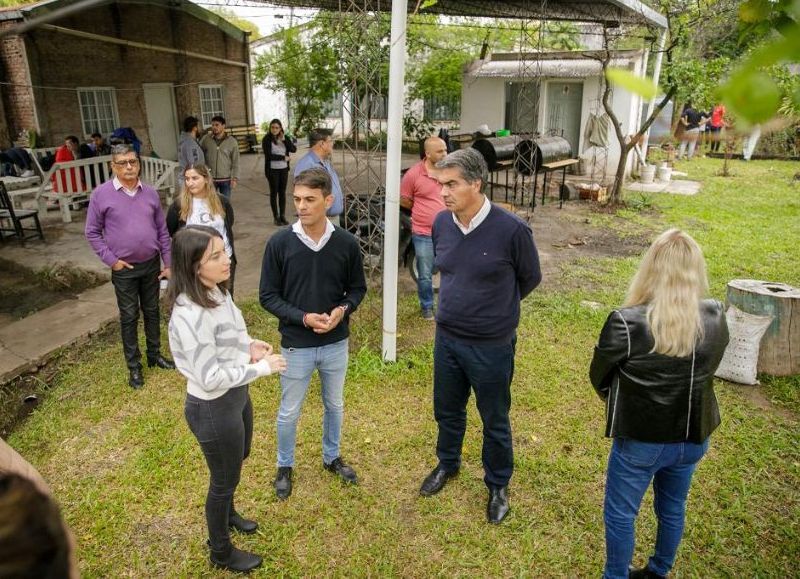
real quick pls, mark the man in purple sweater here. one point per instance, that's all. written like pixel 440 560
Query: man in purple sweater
pixel 126 228
pixel 488 262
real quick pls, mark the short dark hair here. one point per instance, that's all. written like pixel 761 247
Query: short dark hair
pixel 317 135
pixel 72 139
pixel 97 136
pixel 189 123
pixel 315 179
pixel 188 247
pixel 33 539
pixel 218 119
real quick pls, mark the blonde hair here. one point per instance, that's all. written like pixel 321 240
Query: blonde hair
pixel 671 281
pixel 212 197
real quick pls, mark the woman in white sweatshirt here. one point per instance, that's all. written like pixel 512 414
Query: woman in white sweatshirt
pixel 213 350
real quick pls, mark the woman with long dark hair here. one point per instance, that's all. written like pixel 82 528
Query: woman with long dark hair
pixel 654 366
pixel 219 359
pixel 199 203
pixel 277 147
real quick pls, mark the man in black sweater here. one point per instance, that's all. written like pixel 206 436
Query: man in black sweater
pixel 488 262
pixel 312 280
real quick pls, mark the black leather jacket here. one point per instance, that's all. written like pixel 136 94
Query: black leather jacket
pixel 652 397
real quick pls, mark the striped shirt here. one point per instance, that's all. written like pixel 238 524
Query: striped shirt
pixel 211 347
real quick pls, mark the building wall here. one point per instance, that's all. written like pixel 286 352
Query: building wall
pixel 17 99
pixel 268 104
pixel 62 60
pixel 483 102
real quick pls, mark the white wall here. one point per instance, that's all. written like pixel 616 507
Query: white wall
pixel 267 104
pixel 483 102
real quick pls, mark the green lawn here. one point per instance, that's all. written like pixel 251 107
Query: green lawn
pixel 131 478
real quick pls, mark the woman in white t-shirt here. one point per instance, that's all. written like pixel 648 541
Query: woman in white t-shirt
pixel 199 204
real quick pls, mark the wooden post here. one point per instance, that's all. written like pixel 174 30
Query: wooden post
pixel 780 347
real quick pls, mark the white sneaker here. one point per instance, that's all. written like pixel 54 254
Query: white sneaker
pixel 28 173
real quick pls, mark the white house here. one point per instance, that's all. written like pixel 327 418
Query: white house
pixel 568 96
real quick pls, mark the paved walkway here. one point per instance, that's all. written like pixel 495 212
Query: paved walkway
pixel 675 187
pixel 28 343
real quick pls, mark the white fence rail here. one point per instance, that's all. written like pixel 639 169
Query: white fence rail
pixel 71 182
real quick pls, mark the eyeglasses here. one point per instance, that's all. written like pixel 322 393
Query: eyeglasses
pixel 126 163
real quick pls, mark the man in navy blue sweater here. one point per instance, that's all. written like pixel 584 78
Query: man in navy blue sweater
pixel 488 262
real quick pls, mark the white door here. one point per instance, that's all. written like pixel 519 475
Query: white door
pixel 162 121
pixel 564 101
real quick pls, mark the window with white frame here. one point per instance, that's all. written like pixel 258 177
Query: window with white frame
pixel 211 102
pixel 98 110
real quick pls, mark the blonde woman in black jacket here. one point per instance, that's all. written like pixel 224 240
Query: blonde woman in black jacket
pixel 654 366
pixel 198 203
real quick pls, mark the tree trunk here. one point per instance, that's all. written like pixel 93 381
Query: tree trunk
pixel 615 195
pixel 780 347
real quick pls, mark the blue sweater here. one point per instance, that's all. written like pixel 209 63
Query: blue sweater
pixel 484 275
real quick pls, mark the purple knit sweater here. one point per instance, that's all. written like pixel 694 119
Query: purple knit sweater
pixel 132 229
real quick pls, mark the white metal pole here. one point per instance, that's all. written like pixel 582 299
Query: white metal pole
pixel 662 41
pixel 394 145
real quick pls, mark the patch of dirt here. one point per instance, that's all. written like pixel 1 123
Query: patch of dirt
pixel 22 395
pixel 755 396
pixel 26 292
pixel 563 235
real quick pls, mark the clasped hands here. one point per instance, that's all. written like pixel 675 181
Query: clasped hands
pixel 324 323
pixel 260 350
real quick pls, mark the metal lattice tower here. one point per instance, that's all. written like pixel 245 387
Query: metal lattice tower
pixel 361 41
pixel 526 117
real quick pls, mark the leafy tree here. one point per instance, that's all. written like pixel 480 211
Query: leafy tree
pixel 237 21
pixel 305 71
pixel 437 53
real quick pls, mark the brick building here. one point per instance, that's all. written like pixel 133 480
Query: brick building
pixel 144 64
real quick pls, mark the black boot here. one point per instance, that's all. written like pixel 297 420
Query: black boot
pixel 643 573
pixel 233 559
pixel 238 523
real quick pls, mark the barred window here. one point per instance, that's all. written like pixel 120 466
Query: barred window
pixel 98 110
pixel 211 102
pixel 442 108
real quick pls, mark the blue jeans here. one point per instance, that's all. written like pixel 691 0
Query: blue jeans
pixel 631 467
pixel 224 188
pixel 423 247
pixel 487 369
pixel 331 363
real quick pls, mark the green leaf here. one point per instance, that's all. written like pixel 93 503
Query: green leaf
pixel 752 95
pixel 632 83
pixel 428 4
pixel 755 10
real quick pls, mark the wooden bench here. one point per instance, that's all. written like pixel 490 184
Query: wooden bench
pixel 548 169
pixel 246 136
pixel 75 180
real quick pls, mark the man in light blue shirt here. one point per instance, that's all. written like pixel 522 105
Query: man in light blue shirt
pixel 321 143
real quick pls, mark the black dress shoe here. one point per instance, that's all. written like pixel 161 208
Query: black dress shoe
pixel 497 507
pixel 238 523
pixel 283 482
pixel 346 473
pixel 161 362
pixel 233 559
pixel 644 573
pixel 435 481
pixel 136 380
pixel 283 221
